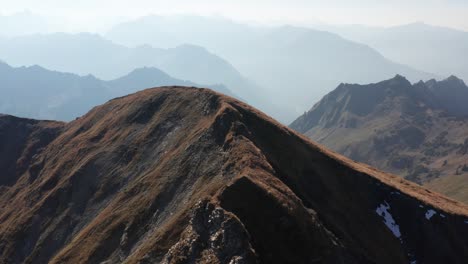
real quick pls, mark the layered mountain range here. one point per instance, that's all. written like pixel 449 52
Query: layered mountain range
pixel 35 92
pixel 413 44
pixel 255 62
pixel 418 131
pixel 309 62
pixel 187 175
pixel 91 54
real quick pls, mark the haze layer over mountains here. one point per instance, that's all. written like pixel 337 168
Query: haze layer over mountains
pixel 280 69
pixel 176 174
pixel 429 48
pixel 35 92
pixel 292 64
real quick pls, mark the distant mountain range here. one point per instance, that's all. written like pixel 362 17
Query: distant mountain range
pixel 430 48
pixel 183 175
pixel 277 69
pixel 250 60
pixel 418 131
pixel 86 53
pixel 296 65
pixel 36 92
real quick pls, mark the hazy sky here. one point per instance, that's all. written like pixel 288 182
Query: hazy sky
pixel 89 13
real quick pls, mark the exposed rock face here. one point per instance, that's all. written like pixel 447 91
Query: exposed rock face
pixel 185 175
pixel 417 131
pixel 213 236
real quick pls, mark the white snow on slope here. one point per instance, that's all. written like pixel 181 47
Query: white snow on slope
pixel 382 211
pixel 430 213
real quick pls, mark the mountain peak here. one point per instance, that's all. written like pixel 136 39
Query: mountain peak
pixel 398 76
pixel 455 79
pixel 147 70
pixel 452 93
pixel 392 125
pixel 348 100
pixel 146 176
pixel 400 79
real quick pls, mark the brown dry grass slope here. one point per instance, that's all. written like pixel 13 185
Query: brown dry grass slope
pixel 186 175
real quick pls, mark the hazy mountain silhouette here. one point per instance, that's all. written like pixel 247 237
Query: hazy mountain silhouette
pixel 73 52
pixel 451 93
pixel 183 175
pixel 430 48
pixel 297 65
pixel 86 53
pixel 36 92
pixel 418 131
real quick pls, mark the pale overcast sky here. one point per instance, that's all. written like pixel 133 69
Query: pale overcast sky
pixel 450 13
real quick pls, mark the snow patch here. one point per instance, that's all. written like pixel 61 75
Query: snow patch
pixel 421 206
pixel 441 215
pixel 430 213
pixel 466 222
pixel 382 211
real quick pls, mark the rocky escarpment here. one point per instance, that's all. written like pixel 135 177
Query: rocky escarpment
pixel 185 175
pixel 417 131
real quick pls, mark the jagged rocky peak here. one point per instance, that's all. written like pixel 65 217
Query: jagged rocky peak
pixel 448 83
pixel 399 78
pixel 448 95
pixel 347 101
pixel 452 94
pixel 416 131
pixel 455 79
pixel 186 175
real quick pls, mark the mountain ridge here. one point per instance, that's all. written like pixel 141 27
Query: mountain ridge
pixel 413 130
pixel 173 174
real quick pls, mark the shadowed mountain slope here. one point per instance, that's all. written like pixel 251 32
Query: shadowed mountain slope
pixel 418 131
pixel 184 175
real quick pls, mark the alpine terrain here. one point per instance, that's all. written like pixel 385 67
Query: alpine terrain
pixel 418 131
pixel 187 175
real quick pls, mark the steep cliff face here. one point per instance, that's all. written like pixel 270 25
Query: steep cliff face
pixel 185 175
pixel 418 131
